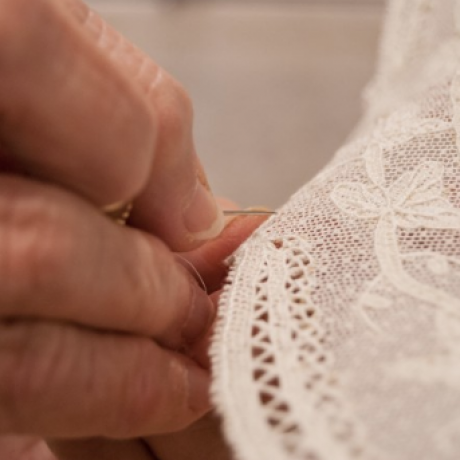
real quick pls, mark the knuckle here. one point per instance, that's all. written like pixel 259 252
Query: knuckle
pixel 141 277
pixel 154 274
pixel 151 403
pixel 141 394
pixel 175 112
pixel 135 170
pixel 35 247
pixel 136 133
pixel 78 9
pixel 29 363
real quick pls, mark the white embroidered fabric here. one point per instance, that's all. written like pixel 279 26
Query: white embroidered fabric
pixel 339 330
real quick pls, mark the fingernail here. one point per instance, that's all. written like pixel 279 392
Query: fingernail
pixel 200 316
pixel 199 382
pixel 202 217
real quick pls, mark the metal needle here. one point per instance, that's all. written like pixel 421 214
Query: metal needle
pixel 248 213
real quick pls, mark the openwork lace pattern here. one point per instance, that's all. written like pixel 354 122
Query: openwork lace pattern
pixel 287 365
pixel 339 329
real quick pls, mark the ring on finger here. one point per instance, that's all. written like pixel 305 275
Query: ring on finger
pixel 119 212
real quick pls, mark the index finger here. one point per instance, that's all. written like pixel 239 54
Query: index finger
pixel 68 115
pixel 83 109
pixel 176 202
pixel 210 260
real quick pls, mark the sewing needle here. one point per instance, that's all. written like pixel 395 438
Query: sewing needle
pixel 239 212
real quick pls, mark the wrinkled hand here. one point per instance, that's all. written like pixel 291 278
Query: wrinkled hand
pixel 202 440
pixel 92 314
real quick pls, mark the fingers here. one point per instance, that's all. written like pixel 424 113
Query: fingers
pixel 60 381
pixel 62 259
pixel 82 108
pixel 199 350
pixel 176 203
pixel 210 260
pixel 100 449
pixel 68 115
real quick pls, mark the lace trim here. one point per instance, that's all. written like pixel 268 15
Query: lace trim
pixel 283 352
pixel 339 331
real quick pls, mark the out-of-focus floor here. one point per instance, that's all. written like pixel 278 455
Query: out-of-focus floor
pixel 276 86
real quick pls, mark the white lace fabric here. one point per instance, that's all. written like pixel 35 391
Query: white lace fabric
pixel 339 330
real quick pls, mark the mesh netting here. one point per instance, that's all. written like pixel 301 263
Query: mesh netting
pixel 339 330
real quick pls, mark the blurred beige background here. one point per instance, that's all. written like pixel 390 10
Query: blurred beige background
pixel 276 83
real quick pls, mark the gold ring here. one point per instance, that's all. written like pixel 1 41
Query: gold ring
pixel 119 212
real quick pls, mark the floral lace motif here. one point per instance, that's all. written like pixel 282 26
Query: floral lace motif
pixel 414 200
pixel 339 330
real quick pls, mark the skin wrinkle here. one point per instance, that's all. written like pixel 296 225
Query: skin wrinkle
pixel 183 283
pixel 156 72
pixel 172 117
pixel 57 41
pixel 28 376
pixel 32 255
pixel 192 302
pixel 78 9
pixel 177 441
pixel 7 235
pixel 78 360
pixel 52 366
pixel 144 383
pixel 104 41
pixel 48 255
pixel 194 272
pixel 201 174
pixel 140 67
pixel 135 60
pixel 138 403
pixel 61 243
pixel 135 390
pixel 172 275
pixel 139 282
pixel 173 110
pixel 191 288
pixel 89 361
pixel 10 349
pixel 145 279
pixel 188 199
pixel 180 381
pixel 105 37
pixel 98 31
pixel 131 404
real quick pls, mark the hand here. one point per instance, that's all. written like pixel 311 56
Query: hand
pixel 202 440
pixel 92 314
